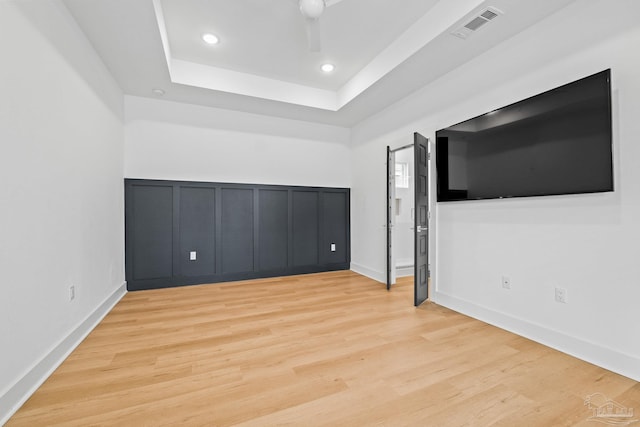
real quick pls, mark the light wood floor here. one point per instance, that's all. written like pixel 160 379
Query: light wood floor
pixel 324 349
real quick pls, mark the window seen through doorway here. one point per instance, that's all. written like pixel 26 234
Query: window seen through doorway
pixel 402 175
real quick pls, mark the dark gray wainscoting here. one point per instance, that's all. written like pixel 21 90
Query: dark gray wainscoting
pixel 184 233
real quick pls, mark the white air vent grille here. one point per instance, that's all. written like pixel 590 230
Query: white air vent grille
pixel 475 22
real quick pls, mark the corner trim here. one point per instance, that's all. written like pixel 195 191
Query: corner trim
pixel 607 358
pixel 18 393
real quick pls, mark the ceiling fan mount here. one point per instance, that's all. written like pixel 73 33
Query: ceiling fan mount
pixel 312 10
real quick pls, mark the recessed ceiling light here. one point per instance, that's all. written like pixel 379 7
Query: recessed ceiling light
pixel 327 68
pixel 158 92
pixel 210 38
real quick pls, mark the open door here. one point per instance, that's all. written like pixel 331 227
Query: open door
pixel 421 231
pixel 390 172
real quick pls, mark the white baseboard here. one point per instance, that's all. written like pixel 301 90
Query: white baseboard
pixel 615 361
pixel 380 276
pixel 18 394
pixel 376 275
pixel 404 271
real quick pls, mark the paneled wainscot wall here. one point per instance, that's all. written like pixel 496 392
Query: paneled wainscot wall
pixel 182 233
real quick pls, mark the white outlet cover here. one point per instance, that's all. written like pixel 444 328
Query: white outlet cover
pixel 561 295
pixel 506 282
pixel 333 247
pixel 193 256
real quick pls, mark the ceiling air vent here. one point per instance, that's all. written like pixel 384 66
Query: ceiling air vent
pixel 476 22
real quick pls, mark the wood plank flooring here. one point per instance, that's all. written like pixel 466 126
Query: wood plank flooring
pixel 329 349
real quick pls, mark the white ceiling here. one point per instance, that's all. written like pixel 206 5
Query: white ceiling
pixel 268 37
pixel 383 50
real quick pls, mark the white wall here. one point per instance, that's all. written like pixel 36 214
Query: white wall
pixel 61 136
pixel 587 244
pixel 169 140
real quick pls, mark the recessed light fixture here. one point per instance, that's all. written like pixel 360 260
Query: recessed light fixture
pixel 327 68
pixel 210 38
pixel 158 92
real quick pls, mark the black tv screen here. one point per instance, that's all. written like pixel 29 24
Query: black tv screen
pixel 557 142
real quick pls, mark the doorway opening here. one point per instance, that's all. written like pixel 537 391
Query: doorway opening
pixel 402 215
pixel 408 217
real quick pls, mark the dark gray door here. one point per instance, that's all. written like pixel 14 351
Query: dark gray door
pixel 421 231
pixel 390 170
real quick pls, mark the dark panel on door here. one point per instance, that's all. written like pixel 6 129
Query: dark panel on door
pixel 421 265
pixel 152 232
pixel 305 227
pixel 274 229
pixel 334 218
pixel 237 230
pixel 197 231
pixel 390 182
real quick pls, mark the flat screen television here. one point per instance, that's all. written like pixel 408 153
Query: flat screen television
pixel 557 142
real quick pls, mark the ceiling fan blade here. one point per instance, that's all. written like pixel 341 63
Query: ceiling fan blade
pixel 332 2
pixel 313 30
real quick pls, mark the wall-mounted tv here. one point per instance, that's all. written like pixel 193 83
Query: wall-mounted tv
pixel 557 142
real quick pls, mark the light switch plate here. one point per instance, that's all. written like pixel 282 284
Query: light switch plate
pixel 192 256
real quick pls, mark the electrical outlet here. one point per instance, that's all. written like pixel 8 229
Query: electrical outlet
pixel 333 247
pixel 72 293
pixel 506 282
pixel 561 295
pixel 193 255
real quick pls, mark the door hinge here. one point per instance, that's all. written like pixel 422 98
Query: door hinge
pixel 428 156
